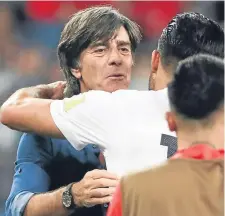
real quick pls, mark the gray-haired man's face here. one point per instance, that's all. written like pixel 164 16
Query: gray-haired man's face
pixel 106 65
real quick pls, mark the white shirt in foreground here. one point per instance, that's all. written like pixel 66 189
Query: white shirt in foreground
pixel 127 125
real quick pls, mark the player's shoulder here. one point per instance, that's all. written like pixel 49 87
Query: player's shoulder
pixel 93 93
pixel 116 95
pixel 145 93
pixel 125 92
pixel 122 96
pixel 160 176
pixel 168 166
pixel 146 173
pixel 91 97
pixel 139 93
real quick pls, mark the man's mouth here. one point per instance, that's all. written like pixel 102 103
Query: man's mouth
pixel 117 76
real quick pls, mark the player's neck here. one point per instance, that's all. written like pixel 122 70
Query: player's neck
pixel 212 138
pixel 162 81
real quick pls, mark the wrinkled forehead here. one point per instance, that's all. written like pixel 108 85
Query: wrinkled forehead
pixel 119 36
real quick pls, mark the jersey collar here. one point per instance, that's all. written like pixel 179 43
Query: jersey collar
pixel 201 152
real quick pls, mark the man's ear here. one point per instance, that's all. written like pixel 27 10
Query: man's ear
pixel 154 63
pixel 171 121
pixel 154 69
pixel 76 73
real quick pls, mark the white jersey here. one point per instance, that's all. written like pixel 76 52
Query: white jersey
pixel 127 125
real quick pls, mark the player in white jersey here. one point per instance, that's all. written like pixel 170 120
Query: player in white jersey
pixel 127 125
pixel 114 122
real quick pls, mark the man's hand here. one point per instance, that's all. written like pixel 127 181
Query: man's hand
pixel 95 188
pixel 56 90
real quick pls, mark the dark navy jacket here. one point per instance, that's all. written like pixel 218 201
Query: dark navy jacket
pixel 44 164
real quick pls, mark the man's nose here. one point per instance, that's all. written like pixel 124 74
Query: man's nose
pixel 115 57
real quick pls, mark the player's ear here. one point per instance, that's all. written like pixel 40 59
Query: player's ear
pixel 154 69
pixel 76 73
pixel 171 121
pixel 154 63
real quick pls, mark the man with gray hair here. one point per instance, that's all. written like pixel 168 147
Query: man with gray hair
pixel 52 178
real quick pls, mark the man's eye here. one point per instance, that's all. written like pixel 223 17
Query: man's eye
pixel 125 50
pixel 100 50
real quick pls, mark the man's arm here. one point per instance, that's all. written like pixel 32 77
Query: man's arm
pixel 29 194
pixel 46 204
pixel 95 188
pixel 25 111
pixel 82 119
pixel 29 177
pixel 30 183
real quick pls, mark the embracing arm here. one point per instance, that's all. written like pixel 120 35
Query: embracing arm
pixel 26 111
pixel 82 119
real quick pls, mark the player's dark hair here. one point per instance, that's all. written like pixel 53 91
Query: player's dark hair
pixel 89 26
pixel 189 34
pixel 198 86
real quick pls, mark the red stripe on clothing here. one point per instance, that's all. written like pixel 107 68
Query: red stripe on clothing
pixel 115 207
pixel 201 152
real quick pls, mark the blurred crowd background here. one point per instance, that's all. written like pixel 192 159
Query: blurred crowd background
pixel 30 31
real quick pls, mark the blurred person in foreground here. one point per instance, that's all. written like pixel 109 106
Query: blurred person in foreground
pixel 124 123
pixel 52 178
pixel 192 181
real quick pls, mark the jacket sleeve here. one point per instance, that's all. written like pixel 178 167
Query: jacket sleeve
pixel 34 153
